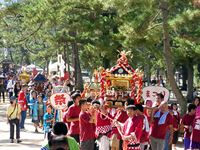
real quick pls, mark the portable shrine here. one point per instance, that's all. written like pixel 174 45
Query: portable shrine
pixel 24 77
pixel 121 82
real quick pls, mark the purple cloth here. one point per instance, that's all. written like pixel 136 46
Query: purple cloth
pixel 194 145
pixel 186 143
pixel 198 112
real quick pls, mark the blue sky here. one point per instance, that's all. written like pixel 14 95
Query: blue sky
pixel 4 0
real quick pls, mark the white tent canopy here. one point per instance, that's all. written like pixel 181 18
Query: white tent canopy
pixel 32 66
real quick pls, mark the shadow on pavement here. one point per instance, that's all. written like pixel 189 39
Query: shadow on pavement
pixel 23 140
pixel 20 144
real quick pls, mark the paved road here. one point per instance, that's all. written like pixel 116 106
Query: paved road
pixel 30 140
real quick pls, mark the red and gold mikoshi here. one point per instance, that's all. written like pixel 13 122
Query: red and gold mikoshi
pixel 96 75
pixel 133 86
pixel 136 85
pixel 85 90
pixel 140 84
pixel 102 83
pixel 122 80
pixel 24 77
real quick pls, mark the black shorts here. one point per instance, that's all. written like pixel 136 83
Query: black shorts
pixel 175 137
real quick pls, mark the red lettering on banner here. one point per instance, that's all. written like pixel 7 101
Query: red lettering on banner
pixel 59 99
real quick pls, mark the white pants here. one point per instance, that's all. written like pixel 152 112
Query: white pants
pixel 142 146
pixel 104 143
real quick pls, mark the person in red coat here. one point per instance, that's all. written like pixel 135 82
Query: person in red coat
pixel 103 127
pixel 176 122
pixel 144 140
pixel 116 140
pixel 187 122
pixel 162 121
pixel 23 104
pixel 72 117
pixel 195 140
pixel 131 130
pixel 65 114
pixel 87 127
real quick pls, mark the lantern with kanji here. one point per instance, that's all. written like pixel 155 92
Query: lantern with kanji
pixel 59 101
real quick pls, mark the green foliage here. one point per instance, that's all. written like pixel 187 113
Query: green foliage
pixel 186 33
pixel 39 29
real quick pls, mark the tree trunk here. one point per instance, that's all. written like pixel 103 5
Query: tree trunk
pixel 47 66
pixel 198 68
pixel 11 56
pixel 77 67
pixel 168 57
pixel 148 74
pixel 158 73
pixel 27 59
pixel 184 79
pixel 21 60
pixel 148 79
pixel 190 88
pixel 65 57
pixel 106 63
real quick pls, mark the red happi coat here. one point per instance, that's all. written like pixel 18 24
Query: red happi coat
pixel 120 116
pixel 131 125
pixel 145 133
pixel 103 125
pixel 196 131
pixel 22 101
